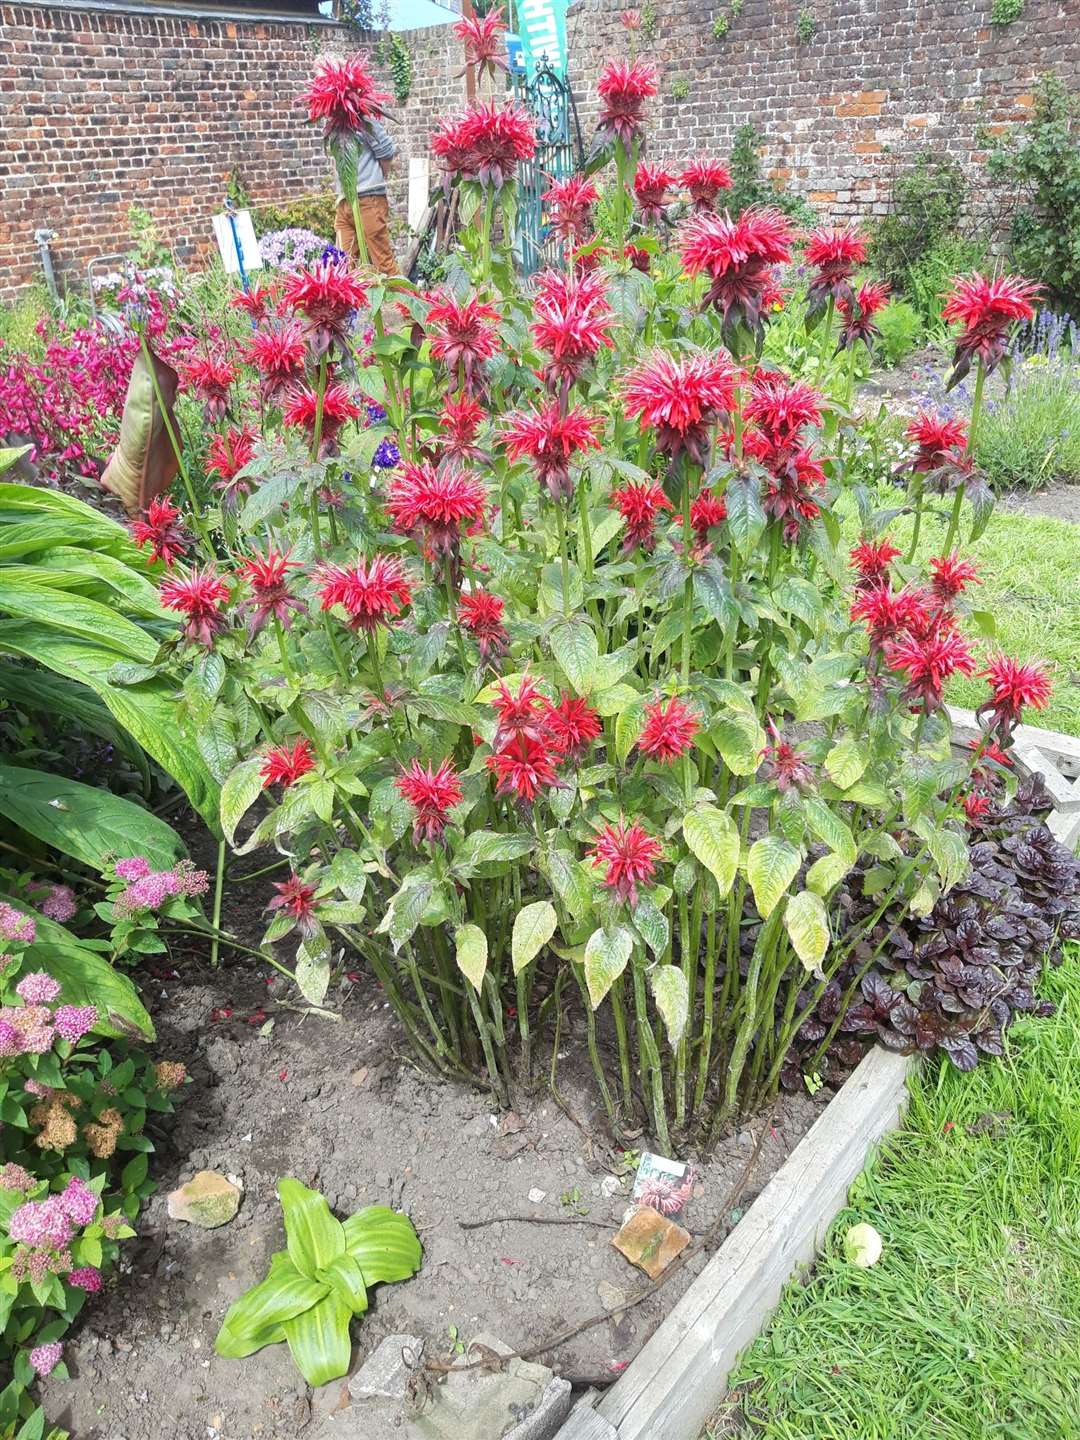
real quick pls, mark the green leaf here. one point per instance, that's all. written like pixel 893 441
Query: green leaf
pixel 485 846
pixel 84 618
pixel 571 881
pixel 807 923
pixel 313 1236
pixel 241 789
pixel 406 909
pixel 383 1243
pixel 575 648
pixel 714 840
pixel 313 968
pixel 672 996
pixel 771 866
pixel 829 827
pixel 651 924
pixel 10 455
pixel 344 1276
pixel 534 926
pixel 256 1318
pixel 607 953
pixel 740 740
pixel 846 761
pixel 948 850
pixel 745 517
pixel 471 948
pixel 629 724
pixel 827 872
pixel 319 1341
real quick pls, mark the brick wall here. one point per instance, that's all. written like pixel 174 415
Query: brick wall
pixel 880 80
pixel 102 110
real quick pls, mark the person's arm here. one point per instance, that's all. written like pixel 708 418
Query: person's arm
pixel 382 147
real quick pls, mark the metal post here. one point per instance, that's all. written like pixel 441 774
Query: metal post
pixel 230 211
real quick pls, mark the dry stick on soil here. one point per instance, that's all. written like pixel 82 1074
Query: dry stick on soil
pixel 539 1220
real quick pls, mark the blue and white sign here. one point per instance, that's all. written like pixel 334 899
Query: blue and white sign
pixel 543 31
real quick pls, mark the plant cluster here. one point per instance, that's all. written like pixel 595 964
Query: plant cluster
pixel 749 185
pixel 925 205
pixel 1004 12
pixel 806 26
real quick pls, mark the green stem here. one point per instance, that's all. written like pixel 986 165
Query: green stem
pixel 594 1049
pixel 560 518
pixel 618 1010
pixel 708 1001
pixel 219 883
pixel 652 1073
pixel 688 587
pixel 586 553
pixel 969 450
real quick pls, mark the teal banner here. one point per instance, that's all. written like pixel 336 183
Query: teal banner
pixel 542 26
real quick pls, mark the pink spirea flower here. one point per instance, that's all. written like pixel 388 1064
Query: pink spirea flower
pixel 43 1223
pixel 86 1278
pixel 16 926
pixel 132 869
pixel 73 1021
pixel 37 988
pixel 10 1040
pixel 59 904
pixel 14 1177
pixel 45 1358
pixel 78 1202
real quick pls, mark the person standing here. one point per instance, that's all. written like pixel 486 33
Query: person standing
pixel 374 162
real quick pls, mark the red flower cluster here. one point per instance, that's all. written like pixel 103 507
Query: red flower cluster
pixel 523 767
pixel 571 725
pixel 344 94
pixel 669 730
pixel 793 477
pixel 462 334
pixel 704 179
pixel 302 410
pixel 707 511
pixel 928 660
pixel 782 408
pixel 987 309
pixel 871 559
pixel 639 257
pixel 533 736
pixel 639 503
pixel 200 597
pixel 296 899
pixel 942 457
pixel 779 410
pixel 460 420
pixel 482 36
pixel 480 613
pixel 951 577
pixel 571 202
pixel 227 454
pixel 630 854
pixel 738 256
pixel 623 89
pixel 857 313
pixel 162 530
pixel 785 766
pixel 680 398
pixel 834 253
pixel 431 794
pixel 372 592
pixel 887 613
pixel 434 503
pixel 268 577
pixel 550 439
pixel 257 303
pixel 278 353
pixel 486 143
pixel 327 296
pixel 283 764
pixel 571 323
pixel 211 379
pixel 651 184
pixel 1013 685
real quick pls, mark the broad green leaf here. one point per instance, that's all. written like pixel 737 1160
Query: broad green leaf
pixel 71 613
pixel 383 1243
pixel 613 701
pixel 629 724
pixel 771 866
pixel 10 455
pixel 256 1318
pixel 485 846
pixel 745 516
pixel 829 827
pixel 571 881
pixel 471 948
pixel 672 998
pixel 846 761
pixel 651 924
pixel 948 849
pixel 86 822
pixel 319 1341
pixel 110 577
pixel 827 872
pixel 313 968
pixel 574 646
pixel 345 1276
pixel 740 740
pixel 348 874
pixel 313 1236
pixel 713 838
pixel 807 923
pixel 607 953
pixel 406 909
pixel 534 926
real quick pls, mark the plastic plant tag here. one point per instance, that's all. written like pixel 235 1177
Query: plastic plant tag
pixel 664 1184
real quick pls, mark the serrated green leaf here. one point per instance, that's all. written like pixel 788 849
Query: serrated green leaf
pixel 771 866
pixel 534 925
pixel 571 881
pixel 829 827
pixel 672 996
pixel 827 872
pixel 313 968
pixel 575 648
pixel 740 740
pixel 471 949
pixel 607 953
pixel 713 838
pixel 651 924
pixel 807 924
pixel 846 761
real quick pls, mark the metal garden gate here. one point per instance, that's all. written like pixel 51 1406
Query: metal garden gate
pixel 559 153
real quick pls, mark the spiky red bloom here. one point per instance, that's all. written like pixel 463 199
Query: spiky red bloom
pixel 630 19
pixel 858 313
pixel 523 767
pixel 327 296
pixel 481 614
pixel 639 503
pixel 284 764
pixel 549 440
pixel 486 143
pixel 296 899
pixel 976 805
pixel 435 503
pixel 888 614
pixel 572 725
pixel 782 408
pixel 834 252
pixel 482 36
pixel 227 454
pixel 200 597
pixel 928 662
pixel 460 420
pixel 638 256
pixel 572 321
pixel 651 184
pixel 162 530
pixel 630 854
pixel 372 592
pixel 986 750
pixel 872 559
pixel 258 302
pixel 789 492
pixel 279 354
pixel 211 379
pixel 268 577
pixel 707 511
pixel 521 713
pixel 738 256
pixel 951 576
pixel 432 794
pixel 1013 684
pixel 669 730
pixel 680 397
pixel 344 94
pixel 571 201
pixel 705 179
pixel 785 766
pixel 623 87
pixel 302 409
pixel 987 309
pixel 462 334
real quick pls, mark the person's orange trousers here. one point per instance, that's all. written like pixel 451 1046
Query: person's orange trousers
pixel 375 218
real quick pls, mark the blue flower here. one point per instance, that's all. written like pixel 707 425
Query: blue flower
pixel 331 255
pixel 387 455
pixel 375 412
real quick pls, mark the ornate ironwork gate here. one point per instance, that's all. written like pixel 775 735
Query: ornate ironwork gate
pixel 559 153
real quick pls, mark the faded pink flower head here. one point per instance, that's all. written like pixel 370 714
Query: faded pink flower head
pixel 37 988
pixel 45 1358
pixel 73 1021
pixel 78 1201
pixel 133 869
pixel 59 904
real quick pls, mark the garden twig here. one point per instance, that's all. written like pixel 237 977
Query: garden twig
pixel 539 1220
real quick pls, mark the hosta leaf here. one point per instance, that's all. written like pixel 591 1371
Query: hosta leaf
pixel 313 1236
pixel 846 761
pixel 256 1318
pixel 672 996
pixel 713 838
pixel 534 926
pixel 319 1340
pixel 472 953
pixel 383 1243
pixel 807 923
pixel 575 648
pixel 771 866
pixel 607 953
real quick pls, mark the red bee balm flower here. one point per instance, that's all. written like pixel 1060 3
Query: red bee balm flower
pixel 460 420
pixel 228 453
pixel 431 793
pixel 162 530
pixel 651 184
pixel 572 321
pixel 785 766
pixel 211 379
pixel 630 854
pixel 951 577
pixel 435 503
pixel 707 511
pixel 788 493
pixel 858 314
pixel 1013 685
pixel 302 409
pixel 782 408
pixel 523 767
pixel 938 440
pixel 480 613
pixel 834 253
pixel 550 439
pixel 669 730
pixel 987 310
pixel 327 296
pixel 486 143
pixel 278 354
pixel 738 256
pixel 343 93
pixel 372 593
pixel 639 504
pixel 482 36
pixel 681 397
pixel 296 900
pixel 520 714
pixel 572 726
pixel 199 596
pixel 976 805
pixel 872 559
pixel 284 765
pixel 268 577
pixel 623 89
pixel 462 334
pixel 888 613
pixel 704 179
pixel 928 662
pixel 256 302
pixel 571 201
pixel 639 257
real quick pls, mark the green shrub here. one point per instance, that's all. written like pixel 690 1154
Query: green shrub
pixel 750 185
pixel 926 205
pixel 901 330
pixel 929 277
pixel 307 212
pixel 1032 436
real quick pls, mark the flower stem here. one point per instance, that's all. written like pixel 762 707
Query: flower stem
pixel 564 554
pixel 688 587
pixel 219 882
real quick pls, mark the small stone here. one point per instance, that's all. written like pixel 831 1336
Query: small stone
pixel 610 1186
pixel 359 1077
pixel 208 1200
pixel 536 1196
pixel 611 1297
pixel 651 1241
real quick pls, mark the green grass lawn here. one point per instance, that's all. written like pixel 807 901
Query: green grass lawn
pixel 968 1328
